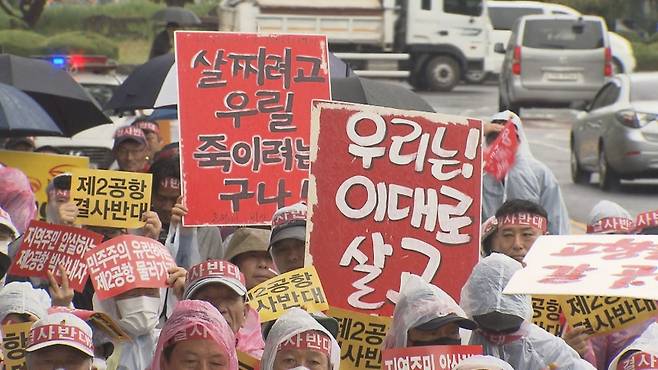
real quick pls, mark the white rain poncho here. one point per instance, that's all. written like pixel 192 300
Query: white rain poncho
pixel 419 302
pixel 138 352
pixel 606 209
pixel 528 179
pixel 647 342
pixel 529 348
pixel 482 362
pixel 295 321
pixel 22 298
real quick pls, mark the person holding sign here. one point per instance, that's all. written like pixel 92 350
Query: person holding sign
pixel 221 284
pixel 288 237
pixel 196 336
pixel 60 341
pixel 504 320
pixel 425 315
pixel 297 340
pixel 527 179
pixel 151 131
pixel 131 149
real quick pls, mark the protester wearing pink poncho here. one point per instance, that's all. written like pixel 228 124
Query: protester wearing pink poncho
pixel 201 332
pixel 16 197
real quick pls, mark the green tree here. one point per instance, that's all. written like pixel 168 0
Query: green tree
pixel 28 11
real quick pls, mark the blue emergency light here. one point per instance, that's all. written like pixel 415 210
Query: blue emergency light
pixel 58 61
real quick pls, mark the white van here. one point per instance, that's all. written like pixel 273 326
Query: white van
pixel 503 15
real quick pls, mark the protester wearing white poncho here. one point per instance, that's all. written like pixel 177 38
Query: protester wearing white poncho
pixel 646 343
pixel 21 298
pixel 295 321
pixel 420 303
pixel 482 363
pixel 524 345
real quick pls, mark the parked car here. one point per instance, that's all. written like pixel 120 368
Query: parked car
pixel 503 14
pixel 617 136
pixel 552 61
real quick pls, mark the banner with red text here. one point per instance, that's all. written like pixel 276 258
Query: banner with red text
pixel 427 358
pixel 392 192
pixel 244 110
pixel 45 246
pixel 128 262
pixel 596 265
pixel 501 155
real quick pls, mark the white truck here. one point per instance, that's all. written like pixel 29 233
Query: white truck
pixel 436 41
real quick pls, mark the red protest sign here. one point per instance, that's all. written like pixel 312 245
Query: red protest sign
pixel 128 262
pixel 394 192
pixel 501 155
pixel 45 246
pixel 244 108
pixel 434 357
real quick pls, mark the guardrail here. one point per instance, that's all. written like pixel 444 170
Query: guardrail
pixel 381 57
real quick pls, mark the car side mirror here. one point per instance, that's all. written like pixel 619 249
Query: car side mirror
pixel 499 48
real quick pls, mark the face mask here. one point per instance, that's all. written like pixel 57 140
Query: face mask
pixel 445 341
pixel 139 315
pixel 98 364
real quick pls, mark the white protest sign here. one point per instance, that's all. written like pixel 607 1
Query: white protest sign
pixel 600 265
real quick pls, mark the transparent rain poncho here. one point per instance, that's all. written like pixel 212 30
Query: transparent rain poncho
pixel 647 342
pixel 530 347
pixel 190 313
pixel 295 321
pixel 22 298
pixel 528 179
pixel 419 302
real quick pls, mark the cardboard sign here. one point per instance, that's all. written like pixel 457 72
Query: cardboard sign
pixel 244 109
pixel 546 313
pixel 45 246
pixel 360 338
pixel 14 341
pixel 100 321
pixel 392 192
pixel 128 262
pixel 598 265
pixel 40 168
pixel 111 198
pixel 501 155
pixel 247 361
pixel 297 288
pixel 427 358
pixel 601 315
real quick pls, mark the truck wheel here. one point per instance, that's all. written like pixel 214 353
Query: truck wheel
pixel 442 73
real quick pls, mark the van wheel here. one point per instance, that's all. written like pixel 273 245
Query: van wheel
pixel 608 178
pixel 442 73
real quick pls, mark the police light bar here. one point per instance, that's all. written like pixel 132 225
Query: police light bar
pixel 78 61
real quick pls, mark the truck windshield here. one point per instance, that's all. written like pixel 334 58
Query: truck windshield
pixel 472 8
pixel 563 34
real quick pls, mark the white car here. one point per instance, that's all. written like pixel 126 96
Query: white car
pixel 503 15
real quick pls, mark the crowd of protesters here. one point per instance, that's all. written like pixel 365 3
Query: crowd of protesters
pixel 202 321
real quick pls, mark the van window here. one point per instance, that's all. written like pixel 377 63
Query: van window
pixel 426 5
pixel 472 8
pixel 503 18
pixel 562 34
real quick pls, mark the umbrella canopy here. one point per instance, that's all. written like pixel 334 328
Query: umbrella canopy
pixel 20 115
pixel 168 94
pixel 176 14
pixel 65 101
pixel 142 86
pixel 364 91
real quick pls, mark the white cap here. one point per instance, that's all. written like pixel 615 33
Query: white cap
pixel 61 329
pixel 5 219
pixel 215 271
pixel 482 362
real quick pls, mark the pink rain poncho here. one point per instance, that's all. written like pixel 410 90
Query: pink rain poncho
pixel 189 313
pixel 16 197
pixel 419 303
pixel 295 321
pixel 250 337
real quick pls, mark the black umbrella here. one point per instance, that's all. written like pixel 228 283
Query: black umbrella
pixel 67 103
pixel 142 86
pixel 20 115
pixel 176 14
pixel 364 91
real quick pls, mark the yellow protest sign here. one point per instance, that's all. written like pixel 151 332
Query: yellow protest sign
pixel 14 341
pixel 606 314
pixel 546 313
pixel 40 168
pixel 110 198
pixel 297 288
pixel 247 362
pixel 361 338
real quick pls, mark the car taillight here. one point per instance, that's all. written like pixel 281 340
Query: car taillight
pixel 516 61
pixel 607 69
pixel 634 119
